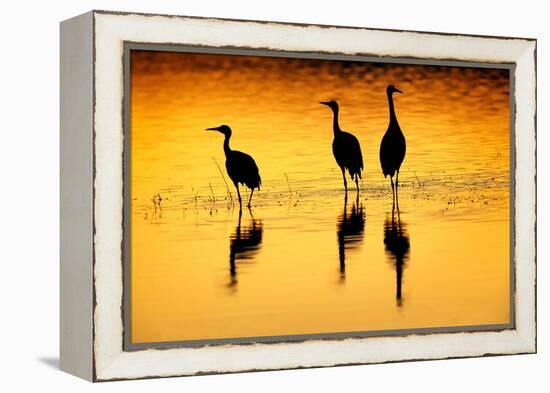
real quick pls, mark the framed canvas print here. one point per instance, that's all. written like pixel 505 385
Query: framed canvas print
pixel 246 195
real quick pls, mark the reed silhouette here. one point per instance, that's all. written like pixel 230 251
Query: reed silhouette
pixel 241 167
pixel 350 228
pixel 346 149
pixel 393 147
pixel 244 244
pixel 397 245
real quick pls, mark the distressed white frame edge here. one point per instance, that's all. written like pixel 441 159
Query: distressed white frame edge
pixel 76 193
pixel 111 30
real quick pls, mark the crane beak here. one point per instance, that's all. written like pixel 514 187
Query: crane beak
pixel 398 91
pixel 323 102
pixel 213 129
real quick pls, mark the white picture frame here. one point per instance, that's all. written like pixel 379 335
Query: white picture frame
pixel 92 194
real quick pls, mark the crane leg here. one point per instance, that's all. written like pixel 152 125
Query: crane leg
pixel 239 195
pixel 357 184
pixel 397 189
pixel 392 191
pixel 250 199
pixel 344 177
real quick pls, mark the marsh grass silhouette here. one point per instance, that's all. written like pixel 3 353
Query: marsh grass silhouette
pixel 350 228
pixel 244 244
pixel 229 196
pixel 397 245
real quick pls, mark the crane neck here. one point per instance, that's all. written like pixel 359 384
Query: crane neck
pixel 226 147
pixel 335 125
pixel 393 117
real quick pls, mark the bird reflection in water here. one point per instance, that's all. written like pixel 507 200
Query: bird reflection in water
pixel 244 244
pixel 350 227
pixel 397 245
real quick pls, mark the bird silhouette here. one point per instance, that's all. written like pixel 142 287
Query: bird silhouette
pixel 393 147
pixel 349 231
pixel 241 167
pixel 244 244
pixel 346 149
pixel 397 244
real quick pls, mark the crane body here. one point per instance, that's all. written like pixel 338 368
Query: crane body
pixel 346 149
pixel 393 146
pixel 240 166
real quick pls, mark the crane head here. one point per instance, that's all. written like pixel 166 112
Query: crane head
pixel 392 89
pixel 223 129
pixel 331 104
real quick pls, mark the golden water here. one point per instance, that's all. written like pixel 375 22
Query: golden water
pixel 303 261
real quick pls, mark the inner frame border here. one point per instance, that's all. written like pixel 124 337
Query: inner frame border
pixel 127 345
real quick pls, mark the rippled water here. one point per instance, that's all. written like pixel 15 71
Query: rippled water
pixel 305 260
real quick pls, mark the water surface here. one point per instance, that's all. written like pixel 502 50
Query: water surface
pixel 305 260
